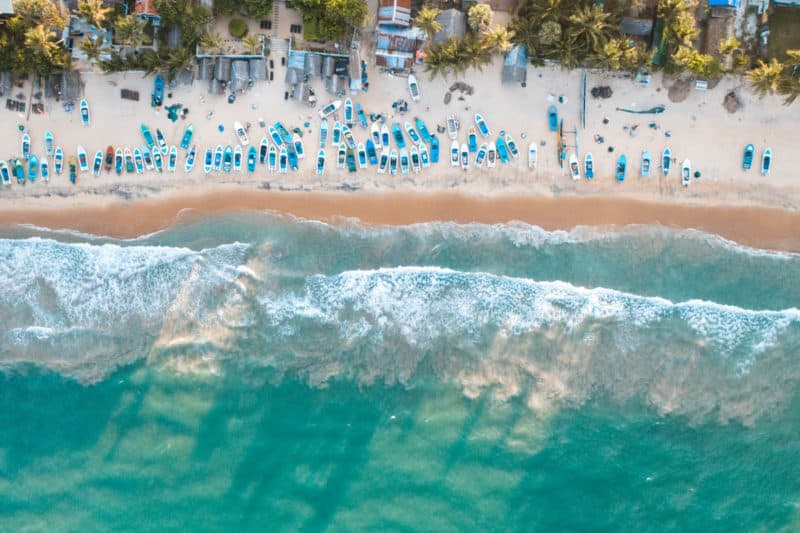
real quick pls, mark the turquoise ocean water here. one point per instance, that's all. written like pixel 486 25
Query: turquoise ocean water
pixel 254 372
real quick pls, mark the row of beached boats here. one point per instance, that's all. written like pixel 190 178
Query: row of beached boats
pixel 621 170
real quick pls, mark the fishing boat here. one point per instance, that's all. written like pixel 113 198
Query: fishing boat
pixel 480 122
pixel 375 132
pixel 158 160
pixel 26 146
pixel 33 168
pixel 208 161
pixel 574 169
pixel 452 127
pixel 119 161
pixel 512 146
pixel 283 160
pixel 227 159
pixel 393 162
pixel 298 145
pixel 455 148
pixel 348 113
pixel 190 157
pixel 321 162
pixel 362 117
pixel 138 161
pixel 588 166
pixel 237 158
pixel 218 157
pixel 481 157
pixel 330 109
pixel 97 165
pixel 162 142
pixel 362 156
pixel 293 160
pixel 686 172
pixel 148 158
pixel 108 162
pixel 4 172
pixel 552 117
pixel 72 167
pixel 273 133
pixel 472 140
pixel 347 135
pixel 341 155
pixel 747 158
pixel 372 153
pixel 323 133
pixel 622 165
pixel 157 96
pixel 252 158
pixel 19 171
pixel 766 161
pixel 385 136
pixel 263 148
pixel 336 136
pixel 241 133
pixel 491 156
pixel 284 133
pixel 272 159
pixel 351 161
pixel 83 160
pixel 58 160
pixel 415 164
pixel 502 150
pixel 129 166
pixel 422 128
pixel 49 143
pixel 464 156
pixel 434 149
pixel 148 136
pixel 44 169
pixel 172 162
pixel 413 88
pixel 412 133
pixel 646 160
pixel 187 137
pixel 397 133
pixel 384 161
pixel 533 154
pixel 424 158
pixel 404 161
pixel 84 113
pixel 666 161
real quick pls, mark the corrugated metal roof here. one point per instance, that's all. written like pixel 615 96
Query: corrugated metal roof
pixel 454 24
pixel 634 26
pixel 395 13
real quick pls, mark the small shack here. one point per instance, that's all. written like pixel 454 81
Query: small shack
pixel 515 65
pixel 454 24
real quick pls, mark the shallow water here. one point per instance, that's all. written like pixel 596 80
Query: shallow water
pixel 253 371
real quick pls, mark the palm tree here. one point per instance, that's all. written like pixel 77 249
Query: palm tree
pixel 479 17
pixel 252 44
pixel 92 47
pixel 93 12
pixel 40 40
pixel 426 21
pixel 610 56
pixel 177 61
pixel 790 88
pixel 128 30
pixel 526 33
pixel 766 77
pixel 679 22
pixel 567 51
pixel 212 41
pixel 590 27
pixel 498 39
pixel 546 10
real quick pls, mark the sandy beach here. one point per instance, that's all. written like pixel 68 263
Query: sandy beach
pixel 745 206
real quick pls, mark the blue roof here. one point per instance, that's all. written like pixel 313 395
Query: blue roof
pixel 724 3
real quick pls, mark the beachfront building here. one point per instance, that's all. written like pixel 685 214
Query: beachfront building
pixel 394 13
pixel 454 24
pixel 515 65
pixel 396 40
pixel 6 10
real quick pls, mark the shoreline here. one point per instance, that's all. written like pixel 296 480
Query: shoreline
pixel 758 227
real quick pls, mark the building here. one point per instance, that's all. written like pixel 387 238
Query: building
pixel 637 27
pixel 396 13
pixel 146 10
pixel 6 10
pixel 454 24
pixel 724 3
pixel 515 65
pixel 396 48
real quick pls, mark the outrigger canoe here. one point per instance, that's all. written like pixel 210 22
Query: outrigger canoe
pixel 33 168
pixel 747 158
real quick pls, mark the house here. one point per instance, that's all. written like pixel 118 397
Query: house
pixel 6 10
pixel 146 10
pixel 724 3
pixel 637 27
pixel 515 65
pixel 396 47
pixel 789 3
pixel 454 24
pixel 396 13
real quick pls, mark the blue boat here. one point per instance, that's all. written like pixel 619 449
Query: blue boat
pixel 148 136
pixel 157 98
pixel 284 133
pixel 362 117
pixel 187 137
pixel 227 159
pixel 482 127
pixel 397 133
pixel 218 157
pixel 423 130
pixel 646 162
pixel 472 140
pixel 747 159
pixel 502 150
pixel 412 133
pixel 19 172
pixel 276 138
pixel 33 168
pixel 372 154
pixel 252 157
pixel 293 165
pixel 434 149
pixel 552 117
pixel 622 164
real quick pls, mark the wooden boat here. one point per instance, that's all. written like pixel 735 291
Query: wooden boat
pixel 351 161
pixel 422 128
pixel 283 160
pixel 138 161
pixel 348 113
pixel 83 160
pixel 26 146
pixel 162 141
pixel 148 158
pixel 384 161
pixel 482 127
pixel 157 96
pixel 341 155
pixel 19 171
pixel 172 160
pixel 393 162
pixel 533 154
pixel 208 161
pixel 622 166
pixel 686 172
pixel 552 117
pixel 574 169
pixel 252 158
pixel 298 146
pixel 424 158
pixel 434 149
pixel 415 164
pixel 362 117
pixel 412 133
pixel 336 136
pixel 33 168
pixel 666 161
pixel 44 169
pixel 119 161
pixel 97 165
pixel 491 155
pixel 375 132
pixel 646 163
pixel 85 119
pixel 404 161
pixel 452 127
pixel 49 143
pixel 240 133
pixel 766 161
pixel 108 162
pixel 263 148
pixel 323 133
pixel 481 157
pixel 227 159
pixel 330 109
pixel 472 140
pixel 455 148
pixel 272 159
pixel 5 175
pixel 362 156
pixel 237 158
pixel 72 167
pixel 385 136
pixel 512 146
pixel 148 136
pixel 372 154
pixel 158 160
pixel 413 88
pixel 588 166
pixel 190 158
pixel 397 133
pixel 502 150
pixel 321 162
pixel 58 160
pixel 129 166
pixel 464 156
pixel 187 137
pixel 218 157
pixel 276 138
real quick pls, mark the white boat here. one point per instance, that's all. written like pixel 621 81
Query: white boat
pixel 349 119
pixel 455 148
pixel 208 161
pixel 330 109
pixel 404 166
pixel 321 162
pixel 482 151
pixel 533 154
pixel 172 159
pixel 384 161
pixel 263 150
pixel 26 146
pixel 574 168
pixel 83 160
pixel 241 133
pixel 138 161
pixel 341 155
pixel 686 172
pixel 464 156
pixel 491 156
pixel 97 165
pixel 190 158
pixel 393 162
pixel 323 133
pixel 452 127
pixel 385 136
pixel 482 127
pixel 58 160
pixel 336 137
pixel 375 131
pixel 297 142
pixel 424 156
pixel 413 87
pixel 415 164
pixel 44 169
pixel 766 161
pixel 272 159
pixel 237 158
pixel 147 155
pixel 84 107
pixel 362 156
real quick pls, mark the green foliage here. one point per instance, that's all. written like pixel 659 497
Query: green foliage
pixel 226 7
pixel 129 30
pixel 426 21
pixel 237 28
pixel 701 65
pixel 189 16
pixel 92 47
pixel 252 44
pixel 765 78
pixel 333 19
pixel 679 22
pixel 93 12
pixel 590 27
pixel 257 9
pixel 498 39
pixel 479 17
pixel 549 33
pixel 28 40
pixel 456 56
